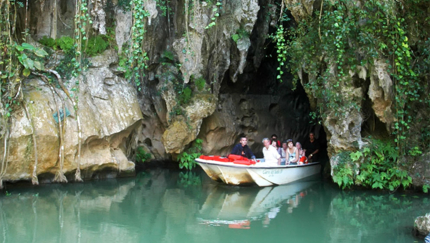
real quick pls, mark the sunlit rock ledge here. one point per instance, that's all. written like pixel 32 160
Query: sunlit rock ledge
pixel 107 111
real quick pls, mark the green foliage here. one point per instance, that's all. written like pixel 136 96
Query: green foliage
pixel 348 37
pixel 64 43
pixel 30 57
pixel 344 172
pixel 187 158
pixel 378 167
pixel 168 56
pixel 66 68
pixel 96 45
pixel 142 155
pixel 426 188
pixel 328 47
pixel 200 83
pixel 185 96
pixel 164 6
pixel 240 33
pixel 124 4
pixel 49 42
pixel 216 13
pixel 82 22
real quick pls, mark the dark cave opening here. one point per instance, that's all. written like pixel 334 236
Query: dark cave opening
pixel 290 107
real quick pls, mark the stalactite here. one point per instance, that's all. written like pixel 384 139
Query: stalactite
pixel 187 2
pixel 54 20
pixel 99 16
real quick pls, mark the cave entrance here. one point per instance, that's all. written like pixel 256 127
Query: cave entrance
pixel 257 104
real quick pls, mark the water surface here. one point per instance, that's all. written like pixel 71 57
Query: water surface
pixel 166 206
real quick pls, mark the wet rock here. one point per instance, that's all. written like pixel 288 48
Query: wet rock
pixel 422 224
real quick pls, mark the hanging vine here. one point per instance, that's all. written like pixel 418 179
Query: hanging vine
pixel 136 56
pixel 82 21
pixel 11 55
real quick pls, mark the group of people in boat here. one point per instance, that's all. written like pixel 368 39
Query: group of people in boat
pixel 285 153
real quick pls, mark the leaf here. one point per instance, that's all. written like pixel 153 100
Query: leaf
pixel 40 53
pixel 38 65
pixel 26 72
pixel 28 63
pixel 28 46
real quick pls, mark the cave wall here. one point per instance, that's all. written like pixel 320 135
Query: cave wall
pixel 240 96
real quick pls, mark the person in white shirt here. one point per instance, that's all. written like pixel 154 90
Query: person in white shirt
pixel 271 156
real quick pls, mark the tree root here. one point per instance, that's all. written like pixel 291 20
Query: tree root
pixel 4 162
pixel 34 179
pixel 75 105
pixel 59 176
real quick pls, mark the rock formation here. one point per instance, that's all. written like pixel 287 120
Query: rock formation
pixel 422 224
pixel 108 113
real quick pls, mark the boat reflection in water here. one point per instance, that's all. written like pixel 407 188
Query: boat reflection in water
pixel 238 207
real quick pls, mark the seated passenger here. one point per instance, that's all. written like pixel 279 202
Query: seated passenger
pixel 301 152
pixel 275 137
pixel 284 149
pixel 292 154
pixel 275 145
pixel 312 148
pixel 242 149
pixel 271 156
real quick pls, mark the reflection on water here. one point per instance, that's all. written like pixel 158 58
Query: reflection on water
pixel 237 207
pixel 164 206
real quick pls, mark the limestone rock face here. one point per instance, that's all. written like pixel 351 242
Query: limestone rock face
pixel 237 114
pixel 300 8
pixel 422 224
pixel 420 170
pixel 381 93
pixel 197 52
pixel 183 131
pixel 108 113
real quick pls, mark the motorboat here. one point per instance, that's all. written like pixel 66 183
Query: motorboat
pixel 241 171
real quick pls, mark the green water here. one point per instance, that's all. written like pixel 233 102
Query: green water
pixel 165 206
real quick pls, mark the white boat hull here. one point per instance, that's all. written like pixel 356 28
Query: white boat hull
pixel 236 174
